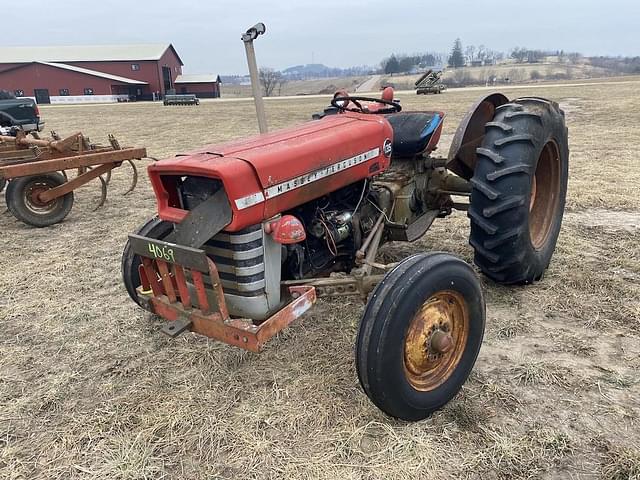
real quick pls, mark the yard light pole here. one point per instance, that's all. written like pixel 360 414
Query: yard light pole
pixel 248 37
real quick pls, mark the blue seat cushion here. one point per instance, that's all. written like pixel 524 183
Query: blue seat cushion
pixel 412 131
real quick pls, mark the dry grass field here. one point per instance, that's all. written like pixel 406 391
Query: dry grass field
pixel 89 387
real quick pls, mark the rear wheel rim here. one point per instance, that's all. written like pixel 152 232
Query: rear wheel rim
pixel 435 340
pixel 545 195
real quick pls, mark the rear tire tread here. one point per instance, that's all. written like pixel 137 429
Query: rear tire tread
pixel 501 187
pixel 511 105
pixel 501 125
pixel 493 242
pixel 489 255
pixel 490 154
pixel 523 137
pixel 486 190
pixel 484 224
pixel 514 169
pixel 508 204
pixel 536 116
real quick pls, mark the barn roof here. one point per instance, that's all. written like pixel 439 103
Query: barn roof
pixel 205 78
pixel 95 73
pixel 85 53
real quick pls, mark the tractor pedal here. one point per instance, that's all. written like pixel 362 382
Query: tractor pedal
pixel 176 327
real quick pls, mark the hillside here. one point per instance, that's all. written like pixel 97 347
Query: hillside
pixel 516 73
pixel 300 87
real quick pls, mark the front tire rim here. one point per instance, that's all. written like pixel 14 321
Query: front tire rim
pixel 32 200
pixel 545 195
pixel 435 340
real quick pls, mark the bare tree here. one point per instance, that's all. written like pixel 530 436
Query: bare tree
pixel 574 57
pixel 483 53
pixel 470 51
pixel 281 82
pixel 269 79
pixel 519 54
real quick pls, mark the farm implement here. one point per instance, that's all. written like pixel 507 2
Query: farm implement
pixel 430 82
pixel 181 100
pixel 249 233
pixel 39 191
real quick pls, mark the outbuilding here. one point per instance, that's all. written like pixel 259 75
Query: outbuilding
pixel 96 73
pixel 203 86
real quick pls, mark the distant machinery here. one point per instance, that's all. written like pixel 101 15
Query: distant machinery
pixel 430 82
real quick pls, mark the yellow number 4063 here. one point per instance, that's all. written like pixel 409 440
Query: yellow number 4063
pixel 162 253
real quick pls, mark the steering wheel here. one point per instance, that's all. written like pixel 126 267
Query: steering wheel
pixel 342 104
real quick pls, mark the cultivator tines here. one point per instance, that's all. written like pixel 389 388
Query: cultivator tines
pixel 104 182
pixel 26 157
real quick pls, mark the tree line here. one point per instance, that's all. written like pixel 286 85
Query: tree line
pixel 470 55
pixel 273 81
pixel 459 57
pixel 401 63
pixel 481 55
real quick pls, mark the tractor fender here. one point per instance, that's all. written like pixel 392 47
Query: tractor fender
pixel 469 135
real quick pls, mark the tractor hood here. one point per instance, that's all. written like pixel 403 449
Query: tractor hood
pixel 292 152
pixel 268 174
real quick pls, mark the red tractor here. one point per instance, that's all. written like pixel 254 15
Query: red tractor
pixel 249 233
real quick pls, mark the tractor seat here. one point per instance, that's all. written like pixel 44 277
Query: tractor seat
pixel 412 131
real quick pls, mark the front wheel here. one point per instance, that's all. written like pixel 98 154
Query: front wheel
pixel 420 335
pixel 154 228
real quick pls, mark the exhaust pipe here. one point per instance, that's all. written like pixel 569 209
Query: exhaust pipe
pixel 248 37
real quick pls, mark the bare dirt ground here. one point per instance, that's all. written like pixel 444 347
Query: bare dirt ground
pixel 89 388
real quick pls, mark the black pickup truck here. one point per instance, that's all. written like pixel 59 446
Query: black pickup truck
pixel 22 113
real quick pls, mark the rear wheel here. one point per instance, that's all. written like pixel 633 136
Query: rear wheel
pixel 24 203
pixel 420 335
pixel 519 188
pixel 154 228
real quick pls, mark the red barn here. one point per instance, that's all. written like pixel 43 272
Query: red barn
pixel 93 73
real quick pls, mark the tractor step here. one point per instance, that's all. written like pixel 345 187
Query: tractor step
pixel 175 328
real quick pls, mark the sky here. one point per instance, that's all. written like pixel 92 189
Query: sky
pixel 206 34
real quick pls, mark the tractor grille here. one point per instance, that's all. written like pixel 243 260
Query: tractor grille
pixel 239 257
pixel 195 190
